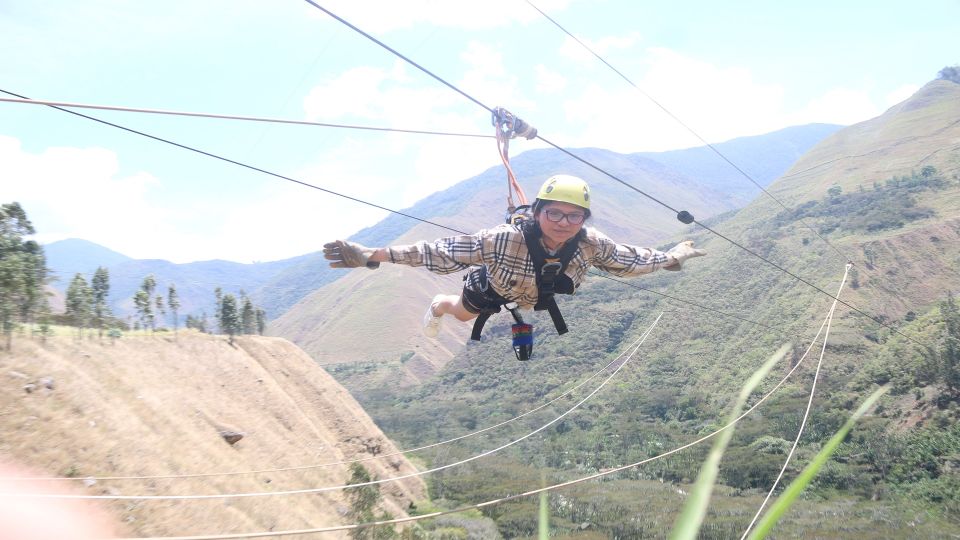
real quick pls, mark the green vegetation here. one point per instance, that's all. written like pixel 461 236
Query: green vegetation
pixel 882 207
pixel 79 306
pixel 692 365
pixel 691 518
pixel 100 290
pixel 780 507
pixel 364 500
pixel 23 271
pixel 950 73
pixel 235 316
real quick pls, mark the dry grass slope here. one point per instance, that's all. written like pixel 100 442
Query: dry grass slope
pixel 154 406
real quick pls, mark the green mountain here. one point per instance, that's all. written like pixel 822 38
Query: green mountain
pixel 278 285
pixel 195 281
pixel 763 157
pixel 886 195
pixel 75 255
pixel 391 301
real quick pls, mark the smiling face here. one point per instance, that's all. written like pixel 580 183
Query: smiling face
pixel 555 234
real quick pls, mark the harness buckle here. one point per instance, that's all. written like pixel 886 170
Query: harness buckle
pixel 548 277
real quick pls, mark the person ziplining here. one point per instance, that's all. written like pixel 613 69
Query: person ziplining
pixel 543 250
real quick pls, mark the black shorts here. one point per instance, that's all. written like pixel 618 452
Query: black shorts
pixel 479 301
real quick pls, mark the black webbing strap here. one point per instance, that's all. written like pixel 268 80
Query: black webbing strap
pixel 547 270
pixel 485 313
pixel 478 324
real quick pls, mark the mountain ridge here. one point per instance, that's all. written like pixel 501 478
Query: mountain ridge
pixel 278 285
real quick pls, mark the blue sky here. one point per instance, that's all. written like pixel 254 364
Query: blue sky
pixel 727 69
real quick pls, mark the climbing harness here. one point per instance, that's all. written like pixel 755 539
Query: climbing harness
pixel 549 268
pixel 508 126
pixel 551 280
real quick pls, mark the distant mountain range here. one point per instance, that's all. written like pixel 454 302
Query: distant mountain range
pixel 697 176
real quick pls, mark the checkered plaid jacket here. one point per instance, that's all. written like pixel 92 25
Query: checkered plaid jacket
pixel 510 271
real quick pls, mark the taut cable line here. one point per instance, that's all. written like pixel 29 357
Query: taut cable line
pixel 475 457
pixel 494 502
pixel 282 177
pixel 369 458
pixel 234 117
pixel 611 175
pixel 806 413
pixel 685 126
pixel 240 164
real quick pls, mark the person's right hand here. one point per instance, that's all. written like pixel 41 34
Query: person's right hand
pixel 349 255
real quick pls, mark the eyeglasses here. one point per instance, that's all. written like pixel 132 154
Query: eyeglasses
pixel 557 216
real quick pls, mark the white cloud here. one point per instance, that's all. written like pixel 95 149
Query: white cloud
pixel 837 106
pixel 391 98
pixel 603 46
pixel 900 94
pixel 355 92
pixel 487 79
pixel 385 15
pixel 717 103
pixel 77 192
pixel 549 82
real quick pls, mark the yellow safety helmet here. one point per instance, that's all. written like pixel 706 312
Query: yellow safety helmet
pixel 565 188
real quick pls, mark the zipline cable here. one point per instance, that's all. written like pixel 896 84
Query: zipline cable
pixel 240 164
pixel 806 413
pixel 685 301
pixel 58 104
pixel 579 385
pixel 501 500
pixel 264 171
pixel 359 484
pixel 609 174
pixel 685 126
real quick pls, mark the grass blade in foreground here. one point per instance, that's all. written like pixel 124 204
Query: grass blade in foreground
pixel 544 518
pixel 690 519
pixel 796 487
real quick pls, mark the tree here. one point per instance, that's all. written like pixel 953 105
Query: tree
pixel 159 303
pixel 951 346
pixel 79 303
pixel 100 289
pixel 197 323
pixel 23 271
pixel 141 302
pixel 261 321
pixel 229 317
pixel 173 302
pixel 950 73
pixel 834 191
pixel 218 296
pixel 363 501
pixel 248 317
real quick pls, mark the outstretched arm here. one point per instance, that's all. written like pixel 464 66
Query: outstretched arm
pixel 627 260
pixel 442 256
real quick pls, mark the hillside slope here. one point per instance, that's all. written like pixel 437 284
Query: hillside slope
pixel 278 285
pixel 901 231
pixel 375 317
pixel 155 405
pixel 763 157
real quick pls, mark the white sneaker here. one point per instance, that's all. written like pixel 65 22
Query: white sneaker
pixel 431 322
